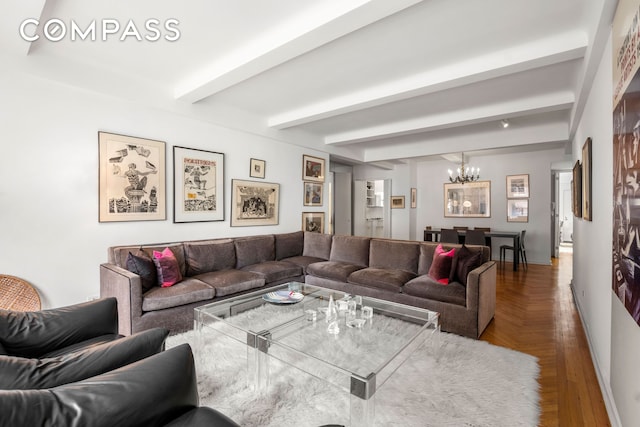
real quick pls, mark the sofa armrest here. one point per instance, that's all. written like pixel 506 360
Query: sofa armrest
pixel 481 293
pixel 31 334
pixel 125 287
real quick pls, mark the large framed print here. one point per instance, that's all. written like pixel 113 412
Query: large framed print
pixel 469 200
pixel 132 178
pixel 312 168
pixel 198 185
pixel 518 210
pixel 576 189
pixel 517 186
pixel 254 203
pixel 313 222
pixel 312 194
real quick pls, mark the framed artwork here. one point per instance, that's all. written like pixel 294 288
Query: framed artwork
pixel 470 200
pixel 517 186
pixel 313 222
pixel 198 185
pixel 312 194
pixel 254 203
pixel 132 178
pixel 518 210
pixel 414 198
pixel 257 168
pixel 312 169
pixel 397 202
pixel 576 189
pixel 586 180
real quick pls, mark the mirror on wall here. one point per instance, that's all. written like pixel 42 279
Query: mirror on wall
pixel 371 210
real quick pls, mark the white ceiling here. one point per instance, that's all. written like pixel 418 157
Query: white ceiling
pixel 366 80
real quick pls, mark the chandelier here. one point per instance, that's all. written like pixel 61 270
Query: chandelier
pixel 464 174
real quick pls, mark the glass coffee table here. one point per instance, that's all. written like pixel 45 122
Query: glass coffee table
pixel 367 340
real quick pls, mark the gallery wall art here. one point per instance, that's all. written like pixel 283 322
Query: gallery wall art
pixel 198 185
pixel 626 157
pixel 254 203
pixel 132 178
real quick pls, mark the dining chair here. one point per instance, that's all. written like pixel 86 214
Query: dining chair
pixel 487 239
pixel 458 227
pixel 475 237
pixel 428 237
pixel 448 235
pixel 521 251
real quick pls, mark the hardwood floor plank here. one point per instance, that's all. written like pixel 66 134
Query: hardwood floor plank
pixel 536 314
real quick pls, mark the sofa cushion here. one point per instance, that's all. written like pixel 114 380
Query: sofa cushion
pixel 289 245
pixel 185 292
pixel 389 279
pixel 334 270
pixel 202 257
pixel 167 268
pixel 143 266
pixel 303 261
pixel 465 261
pixel 426 287
pixel 227 282
pixel 274 271
pixel 254 250
pixel 427 250
pixel 390 254
pixel 441 267
pixel 120 253
pixel 351 250
pixel 317 245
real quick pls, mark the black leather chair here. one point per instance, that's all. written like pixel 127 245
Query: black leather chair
pixel 58 331
pixel 160 390
pixel 521 251
pixel 53 347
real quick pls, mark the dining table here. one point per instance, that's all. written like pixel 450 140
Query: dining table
pixel 514 235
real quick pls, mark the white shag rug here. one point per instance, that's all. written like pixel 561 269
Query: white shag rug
pixel 464 382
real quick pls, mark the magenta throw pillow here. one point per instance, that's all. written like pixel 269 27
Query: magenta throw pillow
pixel 440 269
pixel 167 267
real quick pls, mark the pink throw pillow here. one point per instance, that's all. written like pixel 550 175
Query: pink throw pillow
pixel 167 267
pixel 440 269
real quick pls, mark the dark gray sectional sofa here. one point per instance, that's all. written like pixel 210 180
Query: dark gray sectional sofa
pixel 215 269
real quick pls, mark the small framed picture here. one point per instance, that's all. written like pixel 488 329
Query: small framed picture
pixel 313 222
pixel 312 169
pixel 257 168
pixel 517 186
pixel 397 202
pixel 414 198
pixel 312 194
pixel 518 210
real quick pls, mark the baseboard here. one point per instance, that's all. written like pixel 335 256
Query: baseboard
pixel 605 388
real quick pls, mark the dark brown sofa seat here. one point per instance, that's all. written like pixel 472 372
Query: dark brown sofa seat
pixel 348 254
pixel 257 255
pixel 316 247
pixel 392 263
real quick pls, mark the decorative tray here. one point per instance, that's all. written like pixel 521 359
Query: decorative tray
pixel 283 297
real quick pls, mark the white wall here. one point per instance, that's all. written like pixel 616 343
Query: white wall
pixel 614 337
pixel 49 229
pixel 431 176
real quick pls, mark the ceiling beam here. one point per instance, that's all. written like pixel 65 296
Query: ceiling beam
pixel 485 113
pixel 543 133
pixel 286 43
pixel 544 52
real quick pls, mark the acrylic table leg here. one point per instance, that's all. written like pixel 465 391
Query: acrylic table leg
pixel 258 361
pixel 362 401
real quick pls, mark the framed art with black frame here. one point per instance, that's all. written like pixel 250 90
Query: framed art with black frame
pixel 198 185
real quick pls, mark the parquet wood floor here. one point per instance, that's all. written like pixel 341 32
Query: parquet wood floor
pixel 536 314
